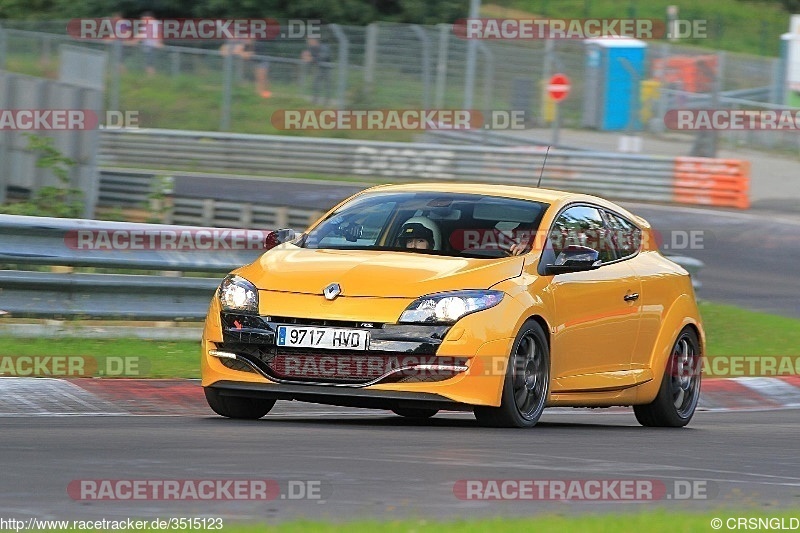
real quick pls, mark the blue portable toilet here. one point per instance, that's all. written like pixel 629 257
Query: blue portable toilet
pixel 615 67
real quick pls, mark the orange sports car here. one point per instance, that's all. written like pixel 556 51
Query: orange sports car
pixel 501 300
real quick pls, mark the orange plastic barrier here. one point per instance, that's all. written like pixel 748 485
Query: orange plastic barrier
pixel 690 73
pixel 715 182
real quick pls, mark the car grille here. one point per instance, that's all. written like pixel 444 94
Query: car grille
pixel 339 366
pixel 235 364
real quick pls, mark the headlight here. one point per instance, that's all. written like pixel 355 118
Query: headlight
pixel 447 307
pixel 237 294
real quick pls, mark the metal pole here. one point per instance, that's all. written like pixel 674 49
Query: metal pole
pixel 40 175
pixel 175 63
pixel 5 135
pixel 426 64
pixel 556 124
pixel 343 62
pixel 116 72
pixel 227 81
pixel 775 94
pixel 88 178
pixel 718 86
pixel 3 47
pixel 488 77
pixel 370 55
pixel 472 46
pixel 441 63
pixel 547 70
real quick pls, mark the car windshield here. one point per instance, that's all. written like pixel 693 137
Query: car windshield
pixel 466 225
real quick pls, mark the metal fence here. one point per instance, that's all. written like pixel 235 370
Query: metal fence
pixel 37 241
pixel 619 176
pixel 19 163
pixel 388 65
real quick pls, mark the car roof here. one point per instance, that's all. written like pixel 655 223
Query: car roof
pixel 511 191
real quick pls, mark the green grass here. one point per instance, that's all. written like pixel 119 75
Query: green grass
pixel 187 102
pixel 730 331
pixel 652 522
pixel 152 359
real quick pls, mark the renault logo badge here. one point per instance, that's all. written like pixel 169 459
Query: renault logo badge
pixel 332 291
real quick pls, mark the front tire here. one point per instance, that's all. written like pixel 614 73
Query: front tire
pixel 237 407
pixel 527 382
pixel 677 397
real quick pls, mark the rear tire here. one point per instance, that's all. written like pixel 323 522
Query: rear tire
pixel 677 397
pixel 237 407
pixel 415 413
pixel 527 382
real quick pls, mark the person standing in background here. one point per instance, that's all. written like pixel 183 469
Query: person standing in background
pixel 150 41
pixel 252 51
pixel 318 54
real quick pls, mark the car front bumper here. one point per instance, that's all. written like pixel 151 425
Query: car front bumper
pixel 457 365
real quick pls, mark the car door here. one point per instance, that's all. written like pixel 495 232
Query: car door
pixel 628 238
pixel 596 321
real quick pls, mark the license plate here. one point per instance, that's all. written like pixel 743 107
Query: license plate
pixel 325 338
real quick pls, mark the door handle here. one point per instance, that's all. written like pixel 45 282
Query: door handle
pixel 631 297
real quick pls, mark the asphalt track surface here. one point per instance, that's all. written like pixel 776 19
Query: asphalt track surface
pixel 370 464
pixel 751 258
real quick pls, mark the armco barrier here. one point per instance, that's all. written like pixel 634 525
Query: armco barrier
pixel 39 241
pixel 618 176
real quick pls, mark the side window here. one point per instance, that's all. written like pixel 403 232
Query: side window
pixel 625 236
pixel 583 226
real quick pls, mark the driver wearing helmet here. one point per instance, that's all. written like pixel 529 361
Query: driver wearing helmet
pixel 420 233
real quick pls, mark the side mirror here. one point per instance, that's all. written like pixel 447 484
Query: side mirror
pixel 279 236
pixel 574 259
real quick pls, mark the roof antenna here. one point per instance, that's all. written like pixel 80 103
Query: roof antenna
pixel 543 164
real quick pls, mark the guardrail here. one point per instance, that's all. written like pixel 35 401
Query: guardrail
pixel 172 252
pixel 127 188
pixel 617 176
pixel 58 242
pixel 489 138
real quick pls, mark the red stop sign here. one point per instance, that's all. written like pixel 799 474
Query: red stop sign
pixel 558 87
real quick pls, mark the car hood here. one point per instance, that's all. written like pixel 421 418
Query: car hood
pixel 375 273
